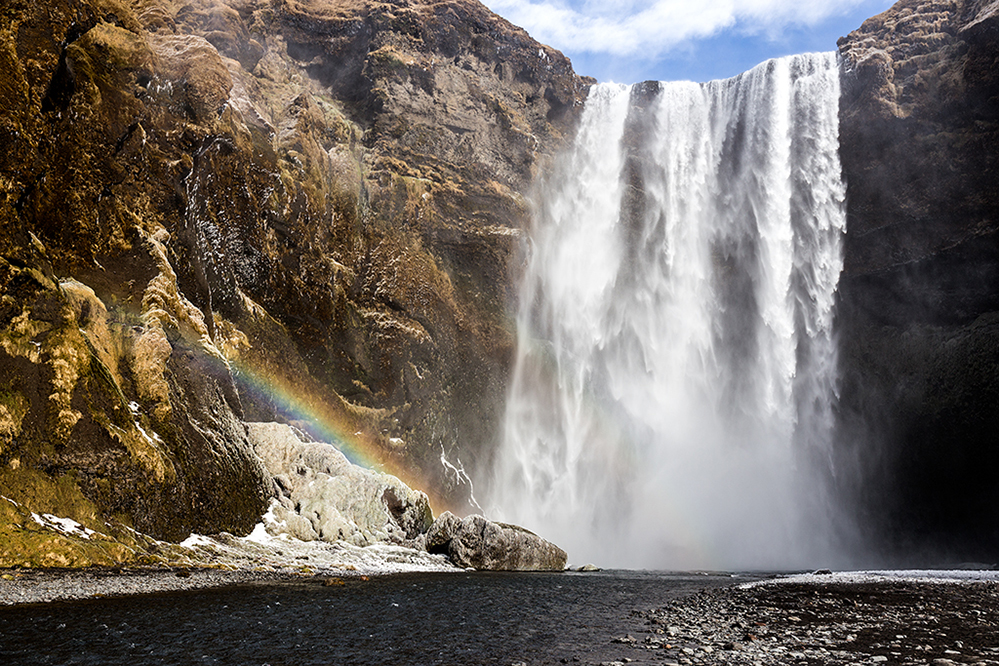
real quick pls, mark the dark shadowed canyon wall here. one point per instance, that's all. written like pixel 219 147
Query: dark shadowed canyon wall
pixel 919 305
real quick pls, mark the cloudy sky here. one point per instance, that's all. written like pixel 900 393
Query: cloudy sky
pixel 636 40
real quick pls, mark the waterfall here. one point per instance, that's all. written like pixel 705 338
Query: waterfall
pixel 671 403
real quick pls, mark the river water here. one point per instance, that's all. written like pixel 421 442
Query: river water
pixel 409 619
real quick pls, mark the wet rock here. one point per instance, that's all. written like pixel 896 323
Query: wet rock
pixel 443 529
pixel 203 79
pixel 482 544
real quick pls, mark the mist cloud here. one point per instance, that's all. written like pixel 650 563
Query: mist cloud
pixel 650 28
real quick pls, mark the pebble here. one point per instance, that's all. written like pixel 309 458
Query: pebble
pixel 840 625
pixel 28 586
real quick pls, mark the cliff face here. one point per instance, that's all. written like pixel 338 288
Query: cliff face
pixel 222 211
pixel 214 212
pixel 920 291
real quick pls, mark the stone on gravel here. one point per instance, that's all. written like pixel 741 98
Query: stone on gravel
pixel 482 544
pixel 830 623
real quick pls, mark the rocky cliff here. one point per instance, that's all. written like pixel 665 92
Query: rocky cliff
pixel 218 212
pixel 223 211
pixel 920 291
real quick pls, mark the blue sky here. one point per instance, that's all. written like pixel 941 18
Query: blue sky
pixel 637 40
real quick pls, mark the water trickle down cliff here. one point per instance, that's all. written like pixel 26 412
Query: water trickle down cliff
pixel 672 400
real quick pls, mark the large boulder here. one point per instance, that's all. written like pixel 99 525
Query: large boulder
pixel 322 496
pixel 482 544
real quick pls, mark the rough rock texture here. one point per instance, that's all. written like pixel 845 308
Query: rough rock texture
pixel 920 291
pixel 214 211
pixel 482 544
pixel 323 496
pixel 833 624
pixel 920 126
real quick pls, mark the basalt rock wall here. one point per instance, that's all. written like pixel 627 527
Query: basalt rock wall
pixel 919 307
pixel 223 211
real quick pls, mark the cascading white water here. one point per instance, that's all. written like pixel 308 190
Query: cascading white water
pixel 672 397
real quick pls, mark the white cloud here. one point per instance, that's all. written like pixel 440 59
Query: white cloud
pixel 649 28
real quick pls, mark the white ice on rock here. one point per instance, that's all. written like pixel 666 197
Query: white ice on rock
pixel 329 516
pixel 63 525
pixel 282 552
pixel 322 496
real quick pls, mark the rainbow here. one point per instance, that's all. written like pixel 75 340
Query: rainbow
pixel 318 420
pixel 317 410
pixel 327 420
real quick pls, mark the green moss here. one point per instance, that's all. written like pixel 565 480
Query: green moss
pixel 338 127
pixel 13 408
pixel 104 376
pixel 508 118
pixel 386 61
pixel 26 543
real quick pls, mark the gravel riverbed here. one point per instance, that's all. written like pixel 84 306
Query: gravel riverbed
pixel 31 586
pixel 838 622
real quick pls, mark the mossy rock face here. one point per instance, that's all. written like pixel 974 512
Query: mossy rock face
pixel 42 537
pixel 74 415
pixel 217 211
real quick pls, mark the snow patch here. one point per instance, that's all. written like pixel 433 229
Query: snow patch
pixel 259 535
pixel 196 540
pixel 154 440
pixel 66 526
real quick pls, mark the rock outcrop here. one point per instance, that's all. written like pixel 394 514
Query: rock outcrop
pixel 919 307
pixel 481 544
pixel 218 211
pixel 322 496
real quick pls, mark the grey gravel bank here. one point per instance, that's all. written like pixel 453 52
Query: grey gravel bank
pixel 841 623
pixel 32 586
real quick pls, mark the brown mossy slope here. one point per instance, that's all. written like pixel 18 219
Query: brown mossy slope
pixel 215 211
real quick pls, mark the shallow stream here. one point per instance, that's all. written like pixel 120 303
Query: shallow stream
pixel 406 619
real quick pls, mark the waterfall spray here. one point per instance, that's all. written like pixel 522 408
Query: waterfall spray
pixel 672 398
